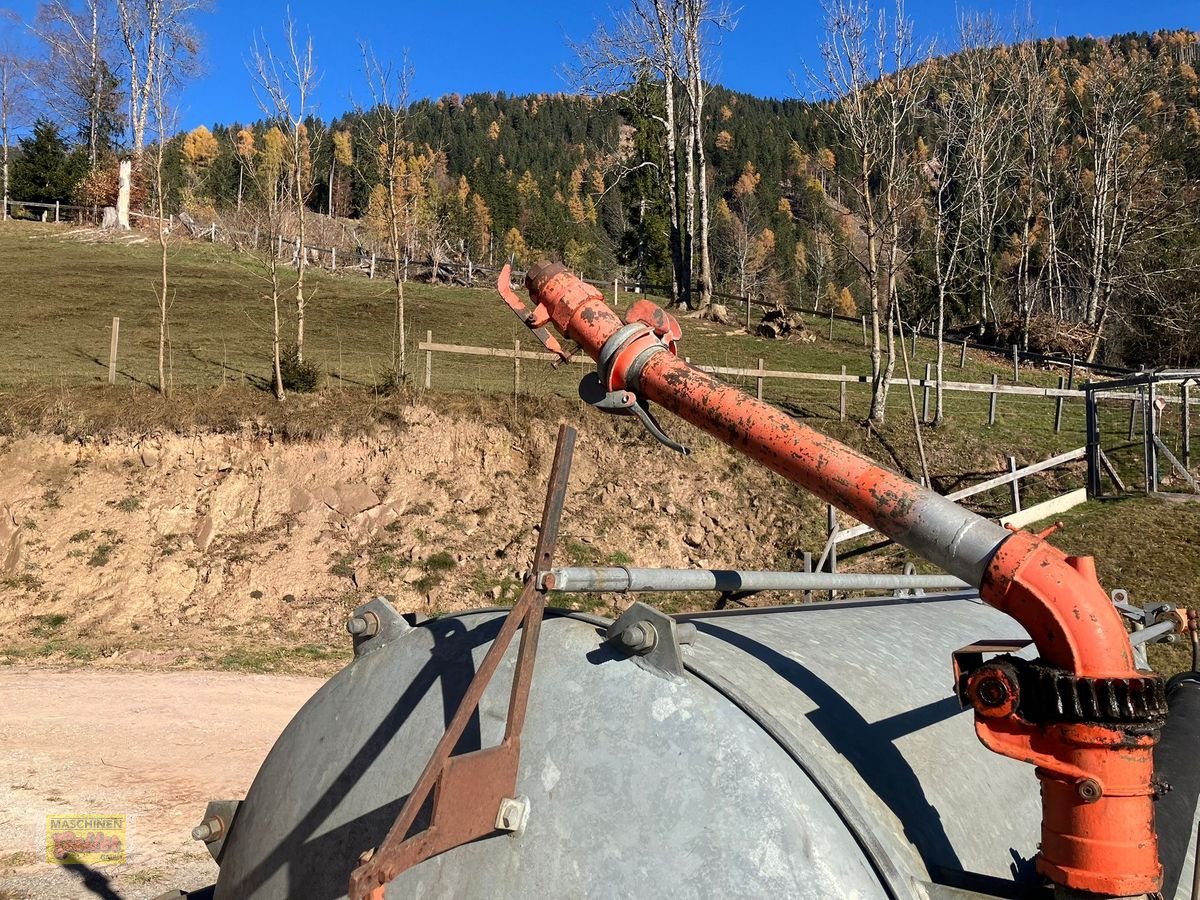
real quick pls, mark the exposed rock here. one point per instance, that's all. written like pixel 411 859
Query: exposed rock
pixel 205 533
pixel 10 542
pixel 355 498
pixel 176 519
pixel 694 536
pixel 301 500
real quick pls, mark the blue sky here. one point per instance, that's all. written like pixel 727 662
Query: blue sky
pixel 469 45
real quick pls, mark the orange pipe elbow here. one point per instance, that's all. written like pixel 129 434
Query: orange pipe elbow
pixel 1098 819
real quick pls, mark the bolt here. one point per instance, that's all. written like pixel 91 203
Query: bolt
pixel 364 625
pixel 1089 790
pixel 209 830
pixel 513 814
pixel 548 582
pixel 992 692
pixel 640 637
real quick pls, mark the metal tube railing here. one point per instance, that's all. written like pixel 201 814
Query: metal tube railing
pixel 625 579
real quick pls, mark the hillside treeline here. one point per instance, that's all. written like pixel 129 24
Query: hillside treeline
pixel 1035 191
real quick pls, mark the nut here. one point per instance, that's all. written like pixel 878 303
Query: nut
pixel 209 830
pixel 1089 790
pixel 513 814
pixel 639 637
pixel 363 625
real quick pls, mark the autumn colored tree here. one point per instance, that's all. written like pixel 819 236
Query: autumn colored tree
pixel 343 155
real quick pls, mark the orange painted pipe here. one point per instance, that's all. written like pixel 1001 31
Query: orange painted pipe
pixel 1104 845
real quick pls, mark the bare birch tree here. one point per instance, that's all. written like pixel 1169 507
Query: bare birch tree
pixel 870 90
pixel 946 206
pixel 385 127
pixel 149 29
pixel 700 18
pixel 988 109
pixel 644 48
pixel 77 78
pixel 267 201
pixel 284 85
pixel 162 122
pixel 1125 199
pixel 1037 113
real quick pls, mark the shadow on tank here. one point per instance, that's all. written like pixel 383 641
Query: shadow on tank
pixel 450 668
pixel 870 748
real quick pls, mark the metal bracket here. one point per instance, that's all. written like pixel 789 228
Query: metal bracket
pixel 653 637
pixel 375 624
pixel 471 792
pixel 969 658
pixel 214 827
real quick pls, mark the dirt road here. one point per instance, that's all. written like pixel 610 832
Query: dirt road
pixel 152 746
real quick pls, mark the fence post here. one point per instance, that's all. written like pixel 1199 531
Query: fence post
pixel 404 277
pixel 747 314
pixel 925 393
pixel 1133 405
pixel 830 322
pixel 1071 375
pixel 1186 426
pixel 112 350
pixel 760 377
pixel 913 355
pixel 864 329
pixel 1150 432
pixel 992 404
pixel 1058 407
pixel 962 355
pixel 1016 366
pixel 56 202
pixel 516 367
pixel 842 397
pixel 808 597
pixel 428 354
pixel 1014 486
pixel 371 273
pixel 333 259
pixel 833 530
pixel 616 291
pixel 255 238
pixel 212 233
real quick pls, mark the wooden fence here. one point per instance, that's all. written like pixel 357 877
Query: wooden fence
pixel 928 385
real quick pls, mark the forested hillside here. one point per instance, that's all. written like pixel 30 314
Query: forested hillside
pixel 1042 192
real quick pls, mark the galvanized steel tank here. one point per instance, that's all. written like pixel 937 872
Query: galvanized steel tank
pixel 814 751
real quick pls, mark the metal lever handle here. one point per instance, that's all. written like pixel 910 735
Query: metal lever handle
pixel 535 320
pixel 625 403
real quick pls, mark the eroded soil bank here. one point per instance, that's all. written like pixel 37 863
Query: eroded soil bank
pixel 242 551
